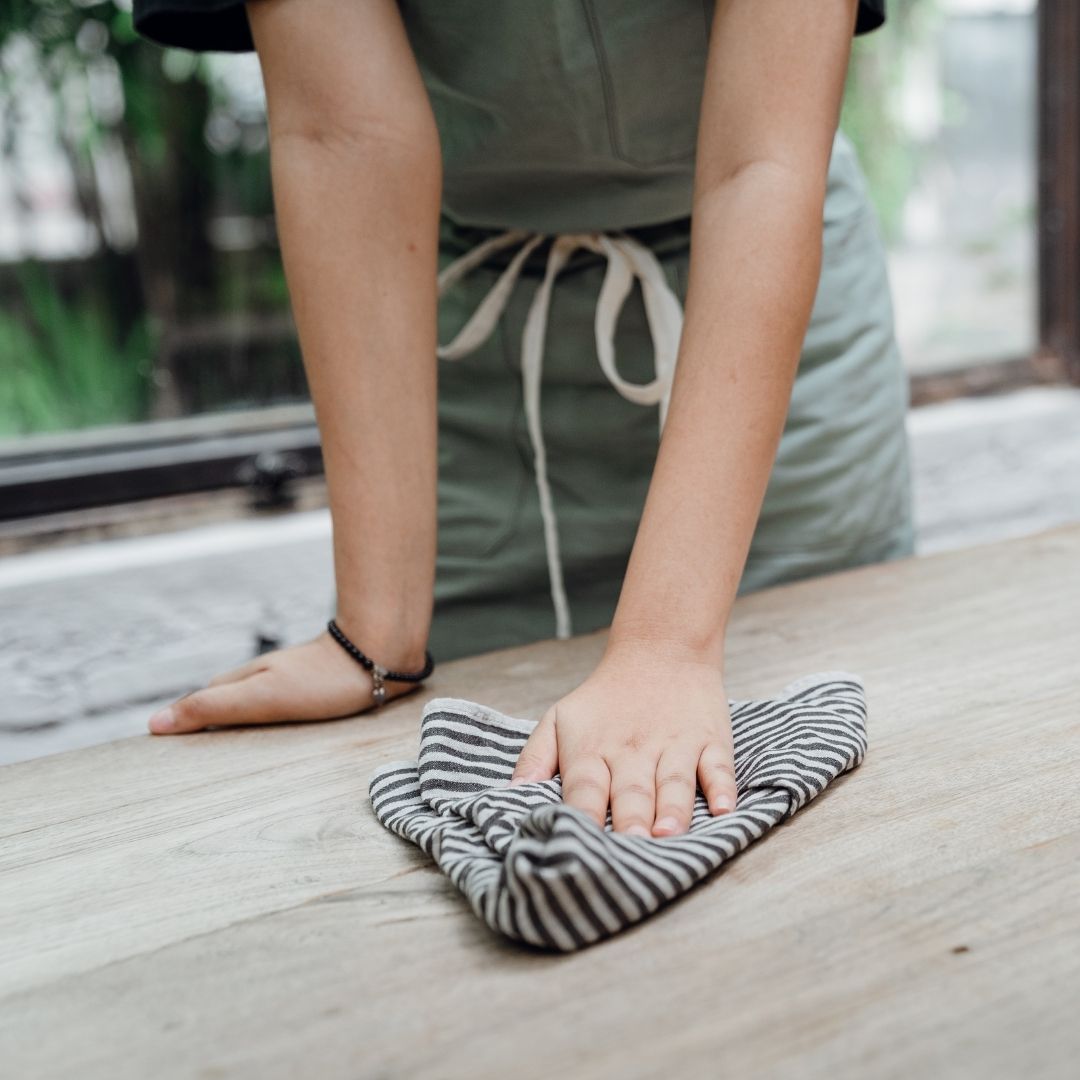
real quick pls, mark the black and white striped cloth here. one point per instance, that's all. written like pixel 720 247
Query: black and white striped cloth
pixel 541 872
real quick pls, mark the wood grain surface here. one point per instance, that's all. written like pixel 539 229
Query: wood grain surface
pixel 225 904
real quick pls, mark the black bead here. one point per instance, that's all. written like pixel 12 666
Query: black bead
pixel 398 676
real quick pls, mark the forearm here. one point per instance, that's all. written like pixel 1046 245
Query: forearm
pixel 358 222
pixel 755 261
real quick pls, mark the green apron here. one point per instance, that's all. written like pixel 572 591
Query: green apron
pixel 565 118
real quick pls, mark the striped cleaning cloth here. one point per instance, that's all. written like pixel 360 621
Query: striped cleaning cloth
pixel 542 872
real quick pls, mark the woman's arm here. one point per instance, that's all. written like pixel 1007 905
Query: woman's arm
pixel 354 155
pixel 771 103
pixel 357 179
pixel 652 720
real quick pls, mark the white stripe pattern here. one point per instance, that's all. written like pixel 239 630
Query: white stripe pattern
pixel 541 872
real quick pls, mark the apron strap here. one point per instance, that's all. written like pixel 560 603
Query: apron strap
pixel 626 259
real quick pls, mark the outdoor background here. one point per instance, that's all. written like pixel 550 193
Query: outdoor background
pixel 162 510
pixel 141 279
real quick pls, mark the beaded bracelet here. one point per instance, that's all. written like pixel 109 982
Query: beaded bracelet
pixel 378 672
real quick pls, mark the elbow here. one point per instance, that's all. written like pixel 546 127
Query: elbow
pixel 788 186
pixel 364 136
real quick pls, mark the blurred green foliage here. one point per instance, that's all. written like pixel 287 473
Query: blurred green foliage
pixel 118 348
pixel 67 365
pixel 871 113
pixel 72 358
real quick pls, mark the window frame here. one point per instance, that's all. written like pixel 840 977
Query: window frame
pixel 47 474
pixel 1059 183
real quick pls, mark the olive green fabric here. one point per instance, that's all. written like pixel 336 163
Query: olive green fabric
pixel 581 115
pixel 839 494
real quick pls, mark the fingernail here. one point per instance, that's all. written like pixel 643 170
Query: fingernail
pixel 666 825
pixel 163 720
pixel 515 780
pixel 723 804
pixel 637 830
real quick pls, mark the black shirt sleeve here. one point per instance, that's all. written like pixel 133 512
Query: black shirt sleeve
pixel 200 25
pixel 222 25
pixel 870 16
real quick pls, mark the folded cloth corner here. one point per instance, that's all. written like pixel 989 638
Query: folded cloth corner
pixel 541 872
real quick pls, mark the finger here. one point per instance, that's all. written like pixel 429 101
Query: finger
pixel 252 667
pixel 586 785
pixel 539 757
pixel 716 771
pixel 633 794
pixel 250 701
pixel 676 786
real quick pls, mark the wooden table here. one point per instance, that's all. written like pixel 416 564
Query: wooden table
pixel 227 905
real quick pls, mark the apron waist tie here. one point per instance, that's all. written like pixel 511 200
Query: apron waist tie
pixel 627 259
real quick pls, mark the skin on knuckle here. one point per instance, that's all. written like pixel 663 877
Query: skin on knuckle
pixel 675 799
pixel 590 802
pixel 586 787
pixel 719 786
pixel 719 781
pixel 585 784
pixel 676 786
pixel 717 760
pixel 527 762
pixel 191 712
pixel 588 766
pixel 532 756
pixel 633 788
pixel 675 778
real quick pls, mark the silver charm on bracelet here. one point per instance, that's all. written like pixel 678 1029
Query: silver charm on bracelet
pixel 378 673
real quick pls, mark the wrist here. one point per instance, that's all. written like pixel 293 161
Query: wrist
pixel 395 644
pixel 662 615
pixel 646 640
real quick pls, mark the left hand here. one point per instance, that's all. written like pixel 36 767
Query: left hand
pixel 638 734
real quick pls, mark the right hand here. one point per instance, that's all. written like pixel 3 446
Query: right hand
pixel 316 680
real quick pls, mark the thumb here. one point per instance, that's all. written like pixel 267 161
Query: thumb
pixel 539 757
